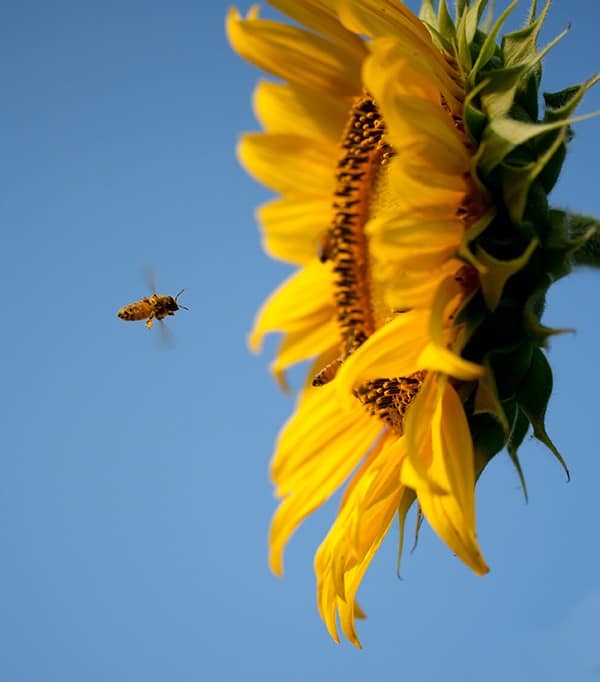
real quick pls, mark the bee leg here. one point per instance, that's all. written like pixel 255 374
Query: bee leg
pixel 149 323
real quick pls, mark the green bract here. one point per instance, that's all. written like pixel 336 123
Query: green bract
pixel 521 245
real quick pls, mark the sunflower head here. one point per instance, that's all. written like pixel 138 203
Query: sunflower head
pixel 412 168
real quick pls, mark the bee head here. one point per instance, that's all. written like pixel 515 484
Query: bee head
pixel 172 303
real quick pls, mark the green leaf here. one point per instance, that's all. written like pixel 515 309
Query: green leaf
pixel 533 396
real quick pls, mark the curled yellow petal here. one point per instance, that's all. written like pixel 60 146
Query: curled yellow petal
pixel 356 535
pixel 294 54
pixel 441 468
pixel 317 450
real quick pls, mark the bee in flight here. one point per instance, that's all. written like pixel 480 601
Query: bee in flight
pixel 148 309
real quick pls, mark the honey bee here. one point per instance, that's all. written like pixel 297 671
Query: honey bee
pixel 328 373
pixel 155 307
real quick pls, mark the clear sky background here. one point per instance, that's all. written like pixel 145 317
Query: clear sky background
pixel 134 496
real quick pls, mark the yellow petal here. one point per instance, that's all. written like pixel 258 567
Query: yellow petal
pixel 416 471
pixel 413 183
pixel 446 519
pixel 291 108
pixel 322 19
pixel 293 227
pixel 295 55
pixel 405 289
pixel 436 356
pixel 405 238
pixel 383 17
pixel 393 66
pixel 424 131
pixel 392 351
pixel 289 163
pixel 300 304
pixel 305 344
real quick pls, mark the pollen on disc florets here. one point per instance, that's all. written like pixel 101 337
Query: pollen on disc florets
pixel 364 152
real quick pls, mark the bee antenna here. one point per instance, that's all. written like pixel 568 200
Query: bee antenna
pixel 179 304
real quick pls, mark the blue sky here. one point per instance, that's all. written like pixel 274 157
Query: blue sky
pixel 134 497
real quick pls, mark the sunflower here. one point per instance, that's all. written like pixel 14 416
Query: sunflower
pixel 412 172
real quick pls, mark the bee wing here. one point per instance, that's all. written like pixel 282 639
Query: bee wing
pixel 167 340
pixel 150 277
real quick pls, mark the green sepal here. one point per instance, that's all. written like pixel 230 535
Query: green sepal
pixel 533 309
pixel 487 401
pixel 560 105
pixel 521 46
pixel 460 6
pixel 527 97
pixel 533 396
pixel 488 434
pixel 518 432
pixel 505 134
pixel 464 251
pixel 475 120
pixel 499 94
pixel 472 18
pixel 445 25
pixel 463 52
pixel 571 240
pixel 406 503
pixel 496 272
pixel 551 171
pixel 427 13
pixel 584 236
pixel 509 367
pixel 488 48
pixel 466 30
pixel 532 12
pixel 439 39
pixel 516 181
